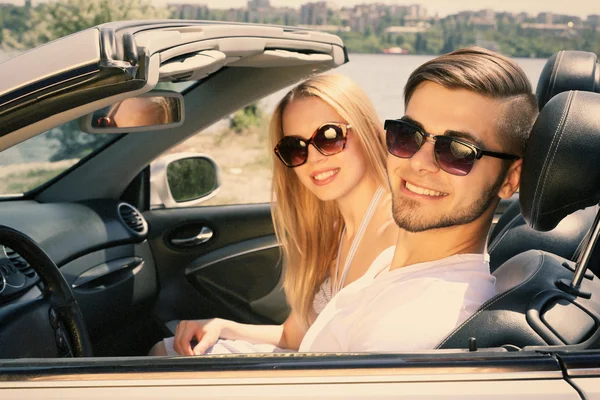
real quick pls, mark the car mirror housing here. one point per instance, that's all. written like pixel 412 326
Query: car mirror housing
pixel 183 180
pixel 153 110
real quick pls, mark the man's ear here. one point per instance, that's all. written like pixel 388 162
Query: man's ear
pixel 512 180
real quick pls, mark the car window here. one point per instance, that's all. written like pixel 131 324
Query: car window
pixel 239 144
pixel 41 158
pixel 36 161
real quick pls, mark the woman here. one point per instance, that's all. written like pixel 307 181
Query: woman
pixel 332 212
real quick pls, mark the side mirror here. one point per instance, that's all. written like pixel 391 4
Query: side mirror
pixel 183 180
pixel 149 111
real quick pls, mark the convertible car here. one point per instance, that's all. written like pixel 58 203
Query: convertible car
pixel 108 234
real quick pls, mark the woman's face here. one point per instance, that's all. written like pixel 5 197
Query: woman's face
pixel 328 177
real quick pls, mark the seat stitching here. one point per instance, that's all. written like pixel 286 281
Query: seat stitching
pixel 492 301
pixel 545 167
pixel 560 130
pixel 554 75
pixel 503 233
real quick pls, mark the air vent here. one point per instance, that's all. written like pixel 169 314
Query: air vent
pixel 19 263
pixel 133 219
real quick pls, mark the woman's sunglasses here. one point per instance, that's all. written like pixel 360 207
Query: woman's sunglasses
pixel 452 155
pixel 108 121
pixel 328 139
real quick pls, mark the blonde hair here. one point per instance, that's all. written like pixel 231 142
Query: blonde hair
pixel 309 229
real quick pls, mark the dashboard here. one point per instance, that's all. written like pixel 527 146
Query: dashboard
pixel 101 249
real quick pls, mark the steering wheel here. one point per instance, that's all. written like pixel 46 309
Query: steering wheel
pixel 50 325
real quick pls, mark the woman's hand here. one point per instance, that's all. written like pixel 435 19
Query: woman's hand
pixel 205 331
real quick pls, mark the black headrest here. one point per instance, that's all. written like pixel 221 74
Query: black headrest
pixel 568 70
pixel 561 164
pixel 512 235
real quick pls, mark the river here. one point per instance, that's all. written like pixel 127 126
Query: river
pixel 383 77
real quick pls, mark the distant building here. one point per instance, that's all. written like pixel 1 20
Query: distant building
pixel 463 16
pixel 313 13
pixel 545 18
pixel 417 11
pixel 593 21
pixel 523 17
pixel 401 30
pixel 365 17
pixel 506 17
pixel 189 11
pixel 287 15
pixel 236 14
pixel 566 19
pixel 259 10
pixel 483 23
pixel 482 20
pixel 255 4
pixel 326 28
pixel 486 14
pixel 566 30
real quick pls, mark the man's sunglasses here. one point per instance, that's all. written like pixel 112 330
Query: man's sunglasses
pixel 328 139
pixel 452 155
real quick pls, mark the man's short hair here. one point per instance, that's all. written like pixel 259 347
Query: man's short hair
pixel 491 75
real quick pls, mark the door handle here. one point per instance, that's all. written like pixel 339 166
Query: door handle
pixel 204 236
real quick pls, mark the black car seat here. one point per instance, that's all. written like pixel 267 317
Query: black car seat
pixel 568 70
pixel 565 70
pixel 540 300
pixel 512 236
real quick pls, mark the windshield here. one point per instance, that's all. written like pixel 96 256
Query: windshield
pixel 38 160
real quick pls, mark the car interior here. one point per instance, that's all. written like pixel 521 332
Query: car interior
pixel 97 262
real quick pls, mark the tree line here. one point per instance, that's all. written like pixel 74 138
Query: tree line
pixel 23 27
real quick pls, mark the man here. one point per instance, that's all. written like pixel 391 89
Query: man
pixel 453 156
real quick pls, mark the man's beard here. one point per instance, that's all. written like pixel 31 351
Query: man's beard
pixel 407 217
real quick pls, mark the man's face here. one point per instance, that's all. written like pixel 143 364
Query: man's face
pixel 426 197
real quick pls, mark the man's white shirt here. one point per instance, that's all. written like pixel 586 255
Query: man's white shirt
pixel 409 308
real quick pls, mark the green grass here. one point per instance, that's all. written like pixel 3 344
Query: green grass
pixel 23 182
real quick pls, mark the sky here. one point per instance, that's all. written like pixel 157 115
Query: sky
pixel 581 8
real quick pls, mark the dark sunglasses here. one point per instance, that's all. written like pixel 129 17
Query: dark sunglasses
pixel 452 155
pixel 328 139
pixel 108 121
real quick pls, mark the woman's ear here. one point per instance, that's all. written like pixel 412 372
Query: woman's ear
pixel 511 181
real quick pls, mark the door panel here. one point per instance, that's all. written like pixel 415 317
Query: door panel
pixel 236 274
pixel 241 274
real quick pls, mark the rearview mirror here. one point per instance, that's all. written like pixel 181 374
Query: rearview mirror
pixel 149 111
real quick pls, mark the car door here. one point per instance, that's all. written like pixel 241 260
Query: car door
pixel 219 256
pixel 477 375
pixel 235 274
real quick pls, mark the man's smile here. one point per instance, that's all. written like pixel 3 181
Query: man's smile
pixel 423 191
